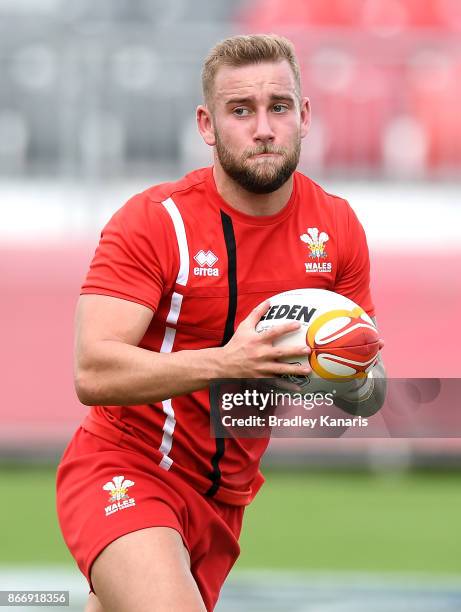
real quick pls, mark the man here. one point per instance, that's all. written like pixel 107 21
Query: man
pixel 149 503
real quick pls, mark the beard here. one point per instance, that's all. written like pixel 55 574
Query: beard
pixel 264 176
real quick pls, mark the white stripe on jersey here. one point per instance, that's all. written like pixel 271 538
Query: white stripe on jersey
pixel 168 340
pixel 180 230
pixel 172 319
pixel 175 308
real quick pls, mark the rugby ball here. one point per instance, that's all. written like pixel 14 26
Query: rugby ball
pixel 343 339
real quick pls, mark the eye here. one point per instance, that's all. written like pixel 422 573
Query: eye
pixel 280 108
pixel 241 111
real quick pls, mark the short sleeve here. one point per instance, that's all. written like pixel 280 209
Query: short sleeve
pixel 353 278
pixel 134 259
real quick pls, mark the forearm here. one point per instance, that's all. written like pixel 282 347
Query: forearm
pixel 365 398
pixel 118 374
pixel 368 398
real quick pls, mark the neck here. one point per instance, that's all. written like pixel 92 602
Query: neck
pixel 257 204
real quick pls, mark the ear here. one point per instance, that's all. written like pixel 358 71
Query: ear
pixel 305 116
pixel 205 125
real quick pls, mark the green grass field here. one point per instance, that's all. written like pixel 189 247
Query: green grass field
pixel 355 521
pixel 299 521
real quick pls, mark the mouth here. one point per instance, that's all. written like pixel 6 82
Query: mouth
pixel 263 155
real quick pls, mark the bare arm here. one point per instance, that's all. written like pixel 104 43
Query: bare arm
pixel 111 369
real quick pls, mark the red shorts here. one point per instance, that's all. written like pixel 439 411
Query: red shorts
pixel 104 492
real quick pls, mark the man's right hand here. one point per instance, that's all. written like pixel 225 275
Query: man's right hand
pixel 251 354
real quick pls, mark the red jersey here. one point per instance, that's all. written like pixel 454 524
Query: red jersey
pixel 201 266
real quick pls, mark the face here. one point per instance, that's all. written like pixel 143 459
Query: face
pixel 256 123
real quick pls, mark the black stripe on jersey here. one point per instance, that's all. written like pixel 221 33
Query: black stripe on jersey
pixel 229 239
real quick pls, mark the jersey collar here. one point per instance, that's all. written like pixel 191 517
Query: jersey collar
pixel 252 219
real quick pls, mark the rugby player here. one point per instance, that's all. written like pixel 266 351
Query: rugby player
pixel 150 505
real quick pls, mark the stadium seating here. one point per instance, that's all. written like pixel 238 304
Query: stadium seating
pixel 377 15
pixel 374 71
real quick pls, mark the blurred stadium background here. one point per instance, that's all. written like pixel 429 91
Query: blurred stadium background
pixel 97 102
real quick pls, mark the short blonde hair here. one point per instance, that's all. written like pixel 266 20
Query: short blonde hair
pixel 243 50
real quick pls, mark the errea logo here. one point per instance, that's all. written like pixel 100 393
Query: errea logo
pixel 206 261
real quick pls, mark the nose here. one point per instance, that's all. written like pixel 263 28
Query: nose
pixel 263 129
